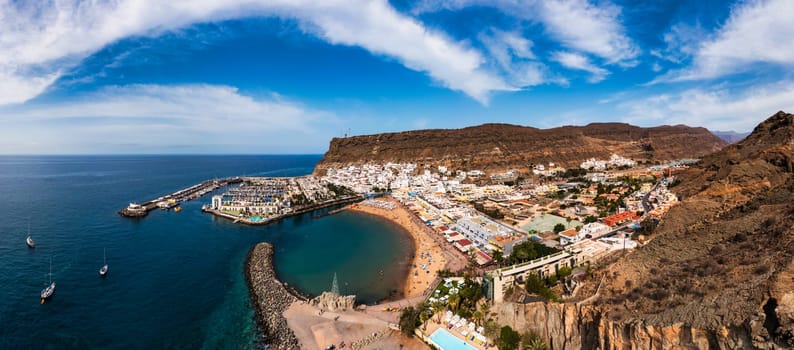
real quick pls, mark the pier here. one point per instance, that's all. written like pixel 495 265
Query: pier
pixel 173 199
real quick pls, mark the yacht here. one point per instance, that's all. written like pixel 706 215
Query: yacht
pixel 104 270
pixel 46 293
pixel 30 242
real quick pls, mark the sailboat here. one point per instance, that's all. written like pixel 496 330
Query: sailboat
pixel 46 293
pixel 104 270
pixel 29 240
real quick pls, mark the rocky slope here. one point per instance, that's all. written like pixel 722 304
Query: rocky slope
pixel 718 272
pixel 501 146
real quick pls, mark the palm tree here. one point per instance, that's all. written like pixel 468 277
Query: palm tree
pixel 454 301
pixel 477 317
pixel 484 308
pixel 536 344
pixel 423 316
pixel 437 308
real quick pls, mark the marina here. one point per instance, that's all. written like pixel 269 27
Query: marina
pixel 172 200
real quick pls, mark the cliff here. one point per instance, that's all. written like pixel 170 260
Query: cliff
pixel 718 272
pixel 501 146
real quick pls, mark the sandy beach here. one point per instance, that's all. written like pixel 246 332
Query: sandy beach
pixel 428 255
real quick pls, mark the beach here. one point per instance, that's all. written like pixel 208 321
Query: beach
pixel 428 257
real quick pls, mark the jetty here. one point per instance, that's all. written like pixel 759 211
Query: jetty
pixel 173 199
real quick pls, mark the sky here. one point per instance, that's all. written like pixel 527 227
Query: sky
pixel 286 76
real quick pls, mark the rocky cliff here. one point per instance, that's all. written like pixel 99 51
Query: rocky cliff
pixel 501 146
pixel 718 272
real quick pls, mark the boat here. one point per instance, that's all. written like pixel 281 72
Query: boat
pixel 29 240
pixel 178 209
pixel 46 293
pixel 104 270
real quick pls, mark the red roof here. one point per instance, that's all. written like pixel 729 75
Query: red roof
pixel 484 256
pixel 453 234
pixel 443 228
pixel 614 219
pixel 464 242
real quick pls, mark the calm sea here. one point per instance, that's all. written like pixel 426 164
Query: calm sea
pixel 176 280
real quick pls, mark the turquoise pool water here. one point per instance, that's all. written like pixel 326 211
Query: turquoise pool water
pixel 446 341
pixel 256 218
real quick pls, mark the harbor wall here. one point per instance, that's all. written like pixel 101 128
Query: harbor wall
pixel 270 298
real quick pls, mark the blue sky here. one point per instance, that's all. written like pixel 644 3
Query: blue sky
pixel 143 76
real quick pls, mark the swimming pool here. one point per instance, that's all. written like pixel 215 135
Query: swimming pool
pixel 446 341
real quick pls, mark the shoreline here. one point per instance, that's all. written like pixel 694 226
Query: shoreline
pixel 270 298
pixel 426 251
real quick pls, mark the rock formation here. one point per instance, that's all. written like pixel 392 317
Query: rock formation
pixel 270 298
pixel 718 272
pixel 332 302
pixel 495 147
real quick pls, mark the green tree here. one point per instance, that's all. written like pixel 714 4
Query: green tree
pixel 531 341
pixel 423 317
pixel 485 309
pixel 559 228
pixel 454 301
pixel 491 329
pixel 478 317
pixel 498 258
pixel 508 339
pixel 438 307
pixel 408 319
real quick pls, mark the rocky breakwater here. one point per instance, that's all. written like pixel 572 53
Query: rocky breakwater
pixel 270 298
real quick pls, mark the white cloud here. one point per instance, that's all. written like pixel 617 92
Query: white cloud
pixel 159 117
pixel 716 109
pixel 593 29
pixel 41 40
pixel 513 56
pixel 580 62
pixel 577 24
pixel 755 32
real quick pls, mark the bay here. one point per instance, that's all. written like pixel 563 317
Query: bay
pixel 176 280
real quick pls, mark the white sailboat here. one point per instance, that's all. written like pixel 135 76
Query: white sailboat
pixel 104 270
pixel 46 293
pixel 29 240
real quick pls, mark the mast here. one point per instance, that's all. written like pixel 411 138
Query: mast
pixel 104 256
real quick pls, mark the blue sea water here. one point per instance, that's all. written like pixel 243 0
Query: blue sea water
pixel 176 280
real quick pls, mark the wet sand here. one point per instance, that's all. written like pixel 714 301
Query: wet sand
pixel 428 257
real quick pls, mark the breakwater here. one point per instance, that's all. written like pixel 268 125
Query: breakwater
pixel 270 298
pixel 173 199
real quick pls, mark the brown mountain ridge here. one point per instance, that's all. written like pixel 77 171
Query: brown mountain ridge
pixel 495 147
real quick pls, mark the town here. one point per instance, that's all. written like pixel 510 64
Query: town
pixel 521 234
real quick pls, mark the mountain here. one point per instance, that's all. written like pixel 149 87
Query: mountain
pixel 718 271
pixel 496 147
pixel 731 136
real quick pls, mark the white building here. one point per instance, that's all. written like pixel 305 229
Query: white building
pixel 594 229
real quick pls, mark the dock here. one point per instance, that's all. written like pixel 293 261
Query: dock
pixel 173 199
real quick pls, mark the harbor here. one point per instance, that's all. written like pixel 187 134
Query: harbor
pixel 172 200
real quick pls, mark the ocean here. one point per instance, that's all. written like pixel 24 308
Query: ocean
pixel 176 280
